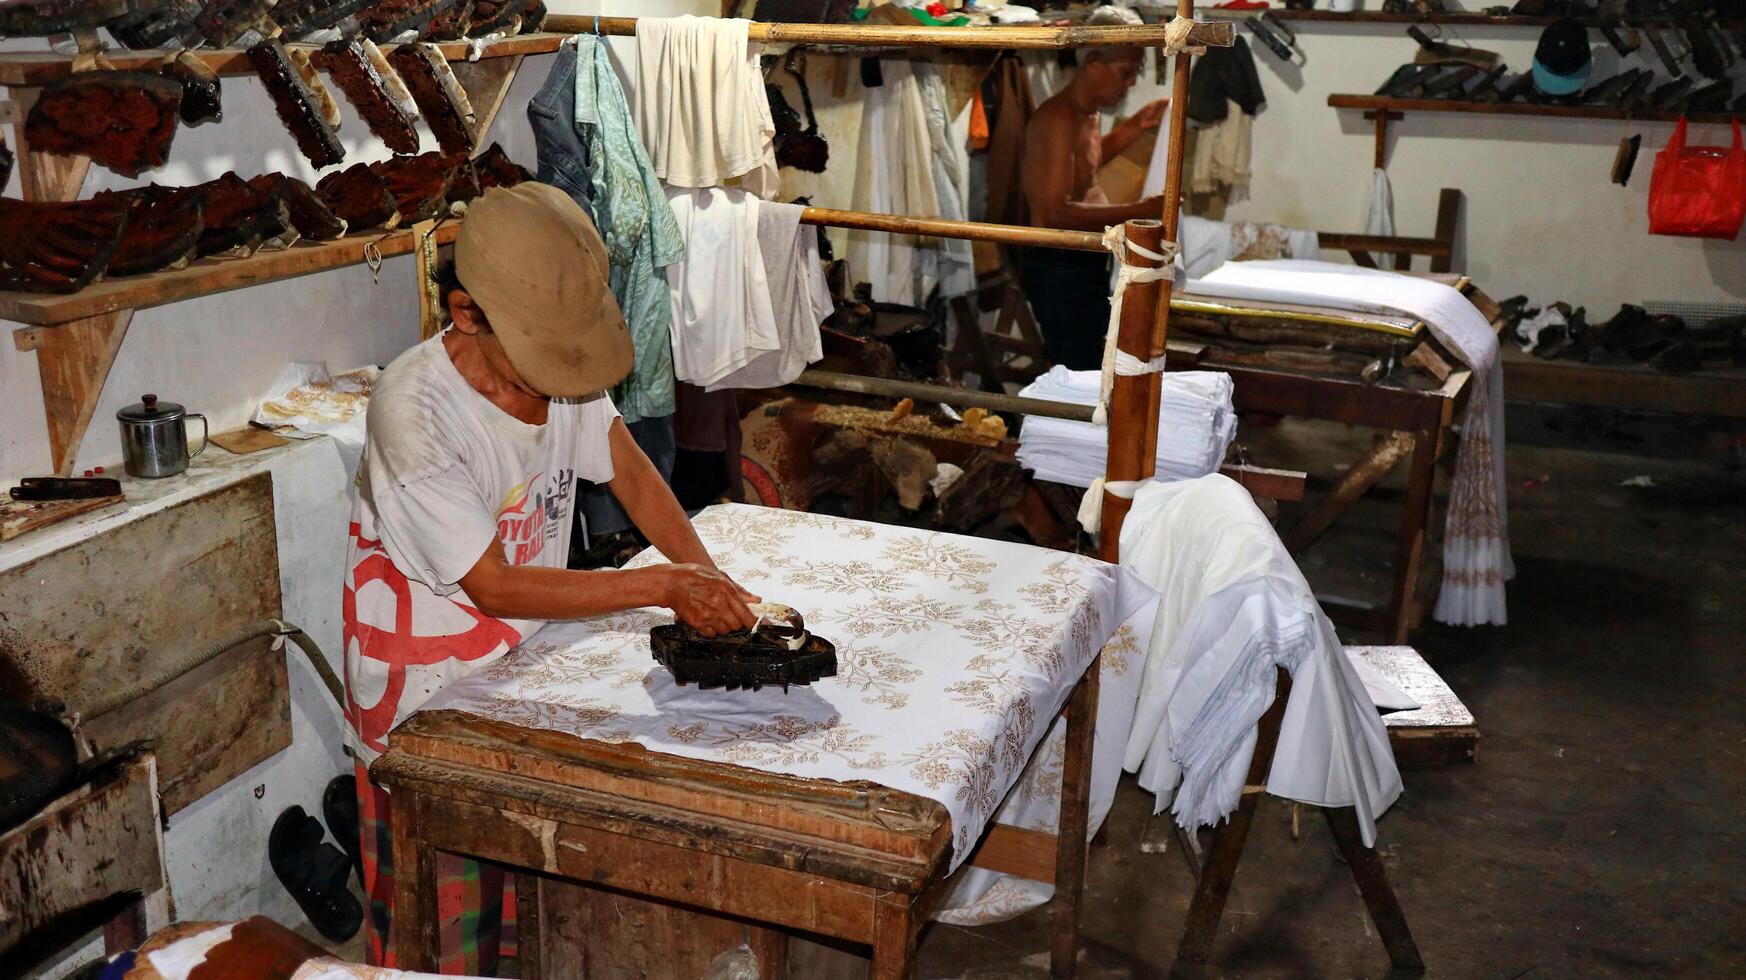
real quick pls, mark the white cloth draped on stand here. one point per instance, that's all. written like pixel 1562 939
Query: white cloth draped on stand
pixel 1379 213
pixel 1233 607
pixel 1476 540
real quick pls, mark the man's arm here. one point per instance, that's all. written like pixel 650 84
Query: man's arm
pixel 1048 181
pixel 1123 134
pixel 691 586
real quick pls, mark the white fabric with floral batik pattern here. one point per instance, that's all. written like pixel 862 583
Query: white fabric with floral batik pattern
pixel 954 655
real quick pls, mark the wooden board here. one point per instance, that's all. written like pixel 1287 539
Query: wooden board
pixel 593 932
pixel 24 516
pixel 1383 102
pixel 1441 731
pixel 208 276
pixel 101 840
pixel 41 67
pixel 1633 387
pixel 113 609
pixel 248 439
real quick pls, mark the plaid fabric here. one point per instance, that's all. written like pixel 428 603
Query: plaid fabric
pixel 475 899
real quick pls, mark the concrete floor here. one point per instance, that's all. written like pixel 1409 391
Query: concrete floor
pixel 1598 835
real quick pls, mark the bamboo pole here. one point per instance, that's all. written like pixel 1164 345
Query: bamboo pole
pixel 905 35
pixel 956 397
pixel 1084 241
pixel 1133 410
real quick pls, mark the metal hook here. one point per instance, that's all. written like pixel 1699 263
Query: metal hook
pixel 373 259
pixel 597 26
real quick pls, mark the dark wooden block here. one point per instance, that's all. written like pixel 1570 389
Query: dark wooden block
pixel 440 97
pixel 57 247
pixel 359 197
pixel 202 100
pixel 40 18
pixel 124 120
pixel 297 105
pixel 239 218
pixel 163 228
pixel 362 79
pixel 310 215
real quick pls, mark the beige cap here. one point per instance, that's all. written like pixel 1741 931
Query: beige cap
pixel 531 259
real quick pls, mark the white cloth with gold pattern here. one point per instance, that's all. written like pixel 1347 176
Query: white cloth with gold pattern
pixel 954 656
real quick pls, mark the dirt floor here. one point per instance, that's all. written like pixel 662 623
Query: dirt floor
pixel 1598 834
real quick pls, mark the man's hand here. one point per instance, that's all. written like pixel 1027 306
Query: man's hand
pixel 1150 115
pixel 707 600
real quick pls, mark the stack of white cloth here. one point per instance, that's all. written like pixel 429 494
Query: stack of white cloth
pixel 1195 426
pixel 1233 608
pixel 749 295
pixel 701 107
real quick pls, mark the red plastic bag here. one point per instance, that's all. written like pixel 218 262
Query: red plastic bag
pixel 1698 191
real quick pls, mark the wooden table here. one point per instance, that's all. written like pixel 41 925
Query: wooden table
pixel 774 854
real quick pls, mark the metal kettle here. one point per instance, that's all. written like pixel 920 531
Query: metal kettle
pixel 154 437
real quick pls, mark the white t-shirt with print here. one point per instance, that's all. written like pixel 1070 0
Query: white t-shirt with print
pixel 445 474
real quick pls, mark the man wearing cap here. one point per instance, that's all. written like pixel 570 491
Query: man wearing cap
pixel 460 533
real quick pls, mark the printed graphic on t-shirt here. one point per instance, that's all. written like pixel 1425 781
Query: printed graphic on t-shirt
pixel 528 517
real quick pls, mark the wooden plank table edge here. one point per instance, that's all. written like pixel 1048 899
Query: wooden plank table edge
pixel 1388 103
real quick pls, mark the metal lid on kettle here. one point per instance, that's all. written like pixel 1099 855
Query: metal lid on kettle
pixel 149 409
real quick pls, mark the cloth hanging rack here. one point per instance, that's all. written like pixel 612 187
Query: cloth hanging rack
pixel 922 35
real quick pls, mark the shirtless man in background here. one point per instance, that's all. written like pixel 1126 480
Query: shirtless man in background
pixel 1064 147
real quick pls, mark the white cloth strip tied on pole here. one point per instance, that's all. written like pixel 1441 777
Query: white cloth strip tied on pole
pixel 1117 362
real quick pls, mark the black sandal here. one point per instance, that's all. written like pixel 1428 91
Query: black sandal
pixel 339 810
pixel 314 872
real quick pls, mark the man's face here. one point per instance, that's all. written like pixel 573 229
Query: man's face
pixel 1113 72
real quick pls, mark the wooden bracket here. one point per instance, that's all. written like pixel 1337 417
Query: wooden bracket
pixel 73 360
pixel 486 82
pixel 1382 117
pixel 43 176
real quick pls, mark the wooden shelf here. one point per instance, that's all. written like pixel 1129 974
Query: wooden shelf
pixel 32 68
pixel 1383 103
pixel 1628 386
pixel 1465 19
pixel 207 276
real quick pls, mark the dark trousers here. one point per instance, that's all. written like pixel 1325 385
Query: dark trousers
pixel 1069 295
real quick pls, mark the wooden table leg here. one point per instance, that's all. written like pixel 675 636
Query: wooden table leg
pixel 1373 884
pixel 1410 551
pixel 413 929
pixel 529 927
pixel 1074 823
pixel 894 937
pixel 1219 868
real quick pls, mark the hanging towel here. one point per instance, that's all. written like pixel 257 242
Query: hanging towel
pixel 894 175
pixel 701 105
pixel 948 262
pixel 720 292
pixel 800 299
pixel 1234 607
pixel 1379 213
pixel 1476 539
pixel 1221 155
pixel 587 147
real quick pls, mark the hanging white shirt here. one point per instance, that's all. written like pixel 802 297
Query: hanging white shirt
pixel 720 291
pixel 800 299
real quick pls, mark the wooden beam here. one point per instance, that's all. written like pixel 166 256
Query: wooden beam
pixel 1216 35
pixel 32 68
pixel 1363 475
pixel 1028 854
pixel 73 360
pixel 1074 823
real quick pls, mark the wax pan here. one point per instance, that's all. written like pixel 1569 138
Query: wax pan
pixel 739 660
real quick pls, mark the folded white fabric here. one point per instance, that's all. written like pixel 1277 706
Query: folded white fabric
pixel 1234 607
pixel 701 107
pixel 1476 539
pixel 800 299
pixel 1195 426
pixel 720 291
